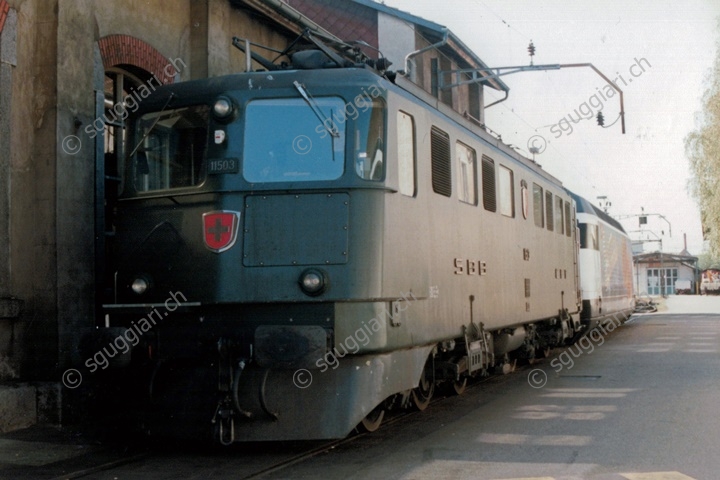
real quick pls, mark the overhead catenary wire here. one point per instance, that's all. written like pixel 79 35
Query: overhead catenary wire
pixel 526 38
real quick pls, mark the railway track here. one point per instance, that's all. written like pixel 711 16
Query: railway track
pixel 397 417
pixel 283 461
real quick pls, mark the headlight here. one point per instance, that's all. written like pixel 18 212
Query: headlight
pixel 140 285
pixel 313 281
pixel 223 108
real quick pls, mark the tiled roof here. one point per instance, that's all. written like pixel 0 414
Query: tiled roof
pixel 346 20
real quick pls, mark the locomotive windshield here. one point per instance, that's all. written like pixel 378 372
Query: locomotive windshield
pixel 298 140
pixel 172 148
pixel 285 141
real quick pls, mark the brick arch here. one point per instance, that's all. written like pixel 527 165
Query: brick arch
pixel 4 9
pixel 127 50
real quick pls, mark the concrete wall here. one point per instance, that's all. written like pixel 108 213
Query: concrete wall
pixel 9 307
pixel 166 26
pixel 28 344
pixel 228 22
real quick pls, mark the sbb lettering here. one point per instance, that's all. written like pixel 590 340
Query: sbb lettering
pixel 470 267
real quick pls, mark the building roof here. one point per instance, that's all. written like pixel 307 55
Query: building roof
pixel 408 17
pixel 658 257
pixel 283 15
pixel 295 21
pixel 435 31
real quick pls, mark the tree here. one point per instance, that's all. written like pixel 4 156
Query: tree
pixel 705 261
pixel 703 150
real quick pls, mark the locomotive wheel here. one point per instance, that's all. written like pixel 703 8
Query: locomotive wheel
pixel 460 385
pixel 372 420
pixel 422 394
pixel 540 353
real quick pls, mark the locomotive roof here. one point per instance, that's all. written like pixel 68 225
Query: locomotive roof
pixel 206 90
pixel 584 206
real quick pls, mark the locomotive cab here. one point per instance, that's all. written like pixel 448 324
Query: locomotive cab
pixel 257 201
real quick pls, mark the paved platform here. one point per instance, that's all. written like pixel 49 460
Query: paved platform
pixel 25 404
pixel 41 452
pixel 51 453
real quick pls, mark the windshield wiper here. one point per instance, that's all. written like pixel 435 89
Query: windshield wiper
pixel 327 123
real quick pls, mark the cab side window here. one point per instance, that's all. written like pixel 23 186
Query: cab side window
pixel 406 154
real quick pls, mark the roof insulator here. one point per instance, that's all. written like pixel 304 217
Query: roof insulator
pixel 531 51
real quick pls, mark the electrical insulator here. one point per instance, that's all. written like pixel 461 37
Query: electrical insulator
pixel 600 119
pixel 531 49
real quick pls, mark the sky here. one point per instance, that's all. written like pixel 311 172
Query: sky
pixel 659 52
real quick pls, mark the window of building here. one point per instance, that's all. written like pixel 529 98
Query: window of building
pixel 119 102
pixel 661 281
pixel 467 173
pixel 538 205
pixel 506 191
pixel 488 182
pixel 434 77
pixel 440 159
pixel 406 153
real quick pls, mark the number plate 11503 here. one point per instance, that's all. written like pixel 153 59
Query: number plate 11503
pixel 223 165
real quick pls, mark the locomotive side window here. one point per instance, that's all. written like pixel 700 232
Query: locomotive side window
pixel 538 205
pixel 467 173
pixel 524 198
pixel 488 183
pixel 369 141
pixel 286 142
pixel 559 216
pixel 440 156
pixel 589 236
pixel 406 153
pixel 568 230
pixel 507 192
pixel 549 210
pixel 172 151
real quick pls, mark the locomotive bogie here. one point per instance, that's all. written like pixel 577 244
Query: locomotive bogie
pixel 285 403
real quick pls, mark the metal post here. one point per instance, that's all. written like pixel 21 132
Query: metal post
pixel 662 272
pixel 248 56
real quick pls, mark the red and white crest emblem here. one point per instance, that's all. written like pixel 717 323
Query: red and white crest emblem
pixel 220 229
